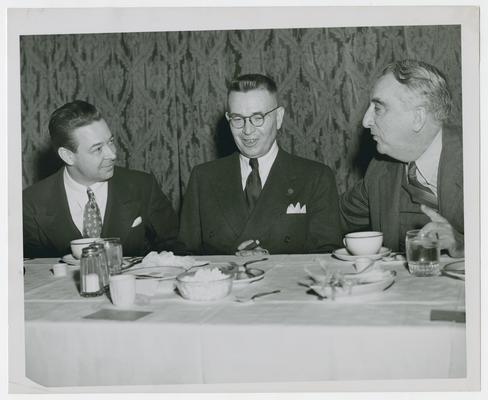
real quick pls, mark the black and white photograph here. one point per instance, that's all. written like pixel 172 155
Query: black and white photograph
pixel 244 199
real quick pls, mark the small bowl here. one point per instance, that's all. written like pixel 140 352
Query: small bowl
pixel 203 290
pixel 78 245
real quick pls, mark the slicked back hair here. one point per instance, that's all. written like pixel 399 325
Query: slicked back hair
pixel 67 118
pixel 245 83
pixel 425 81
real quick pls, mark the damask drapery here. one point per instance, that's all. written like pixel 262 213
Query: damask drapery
pixel 163 94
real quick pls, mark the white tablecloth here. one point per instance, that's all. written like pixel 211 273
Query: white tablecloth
pixel 290 336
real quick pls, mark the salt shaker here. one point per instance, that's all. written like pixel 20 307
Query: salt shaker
pixel 91 272
pixel 104 267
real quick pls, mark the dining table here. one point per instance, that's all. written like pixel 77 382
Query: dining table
pixel 409 330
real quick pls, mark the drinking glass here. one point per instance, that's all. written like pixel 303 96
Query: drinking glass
pixel 423 253
pixel 113 251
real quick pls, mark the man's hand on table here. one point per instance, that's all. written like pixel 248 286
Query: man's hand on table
pixel 449 238
pixel 249 248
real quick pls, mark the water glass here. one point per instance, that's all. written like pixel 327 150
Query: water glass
pixel 423 253
pixel 113 252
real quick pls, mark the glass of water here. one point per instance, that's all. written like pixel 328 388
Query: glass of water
pixel 113 251
pixel 423 253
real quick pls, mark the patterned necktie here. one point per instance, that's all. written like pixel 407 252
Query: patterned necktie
pixel 419 193
pixel 253 184
pixel 92 221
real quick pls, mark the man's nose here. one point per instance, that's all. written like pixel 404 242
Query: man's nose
pixel 110 152
pixel 368 119
pixel 248 127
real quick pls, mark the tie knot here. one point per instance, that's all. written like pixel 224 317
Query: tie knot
pixel 254 163
pixel 91 195
pixel 412 170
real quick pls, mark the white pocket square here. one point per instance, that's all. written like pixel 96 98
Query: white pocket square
pixel 296 209
pixel 136 222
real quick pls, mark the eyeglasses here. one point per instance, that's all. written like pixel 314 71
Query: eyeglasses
pixel 257 119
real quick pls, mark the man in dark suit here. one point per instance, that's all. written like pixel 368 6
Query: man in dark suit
pixel 90 196
pixel 420 182
pixel 288 203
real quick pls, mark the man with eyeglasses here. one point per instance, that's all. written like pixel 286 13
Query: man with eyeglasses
pixel 90 196
pixel 262 194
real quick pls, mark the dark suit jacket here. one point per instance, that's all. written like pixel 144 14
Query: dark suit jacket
pixel 48 227
pixel 374 202
pixel 215 218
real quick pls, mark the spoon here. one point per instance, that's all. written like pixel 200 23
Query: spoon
pixel 255 296
pixel 254 261
pixel 362 265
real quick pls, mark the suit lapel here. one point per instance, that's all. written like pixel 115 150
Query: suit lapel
pixel 121 210
pixel 229 194
pixel 56 221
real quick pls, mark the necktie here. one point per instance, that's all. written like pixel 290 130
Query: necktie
pixel 419 193
pixel 92 221
pixel 253 184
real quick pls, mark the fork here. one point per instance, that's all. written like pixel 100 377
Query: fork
pixel 255 296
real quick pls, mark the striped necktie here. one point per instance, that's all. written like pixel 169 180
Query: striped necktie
pixel 253 184
pixel 92 220
pixel 419 193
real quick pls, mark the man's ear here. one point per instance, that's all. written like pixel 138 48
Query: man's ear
pixel 66 155
pixel 280 112
pixel 419 118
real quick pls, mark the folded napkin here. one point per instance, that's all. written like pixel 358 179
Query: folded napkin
pixel 167 259
pixel 296 209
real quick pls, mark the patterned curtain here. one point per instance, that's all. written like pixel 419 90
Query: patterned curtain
pixel 163 94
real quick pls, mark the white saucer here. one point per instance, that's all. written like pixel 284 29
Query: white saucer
pixel 343 254
pixel 363 287
pixel 70 260
pixel 454 269
pixel 158 273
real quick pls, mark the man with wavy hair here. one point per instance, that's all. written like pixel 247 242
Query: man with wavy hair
pixel 417 180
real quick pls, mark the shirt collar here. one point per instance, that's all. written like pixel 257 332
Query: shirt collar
pixel 78 187
pixel 428 162
pixel 267 159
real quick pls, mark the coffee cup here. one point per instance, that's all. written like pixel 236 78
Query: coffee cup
pixel 78 245
pixel 363 243
pixel 122 290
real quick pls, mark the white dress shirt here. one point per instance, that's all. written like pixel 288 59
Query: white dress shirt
pixel 265 164
pixel 77 198
pixel 428 164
